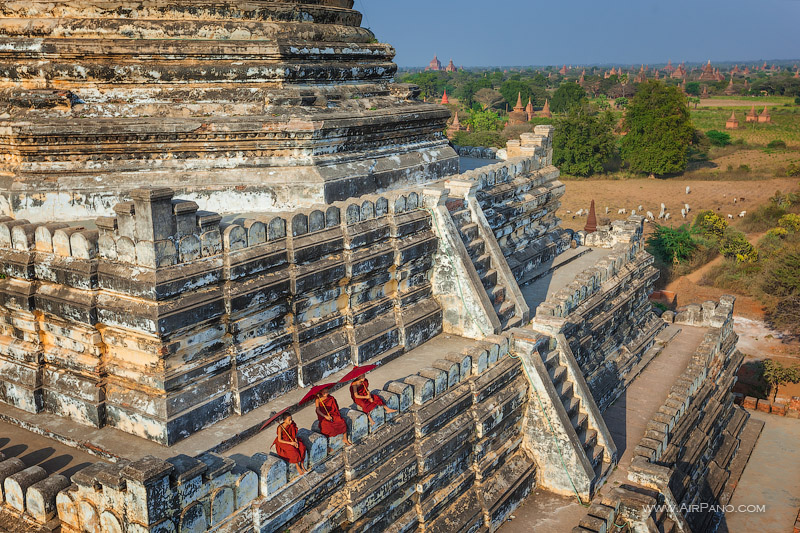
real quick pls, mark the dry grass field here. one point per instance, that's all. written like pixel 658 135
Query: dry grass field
pixel 716 195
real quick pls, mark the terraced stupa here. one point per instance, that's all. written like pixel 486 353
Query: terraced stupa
pixel 238 104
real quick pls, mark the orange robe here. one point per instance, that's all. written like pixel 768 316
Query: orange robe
pixel 335 426
pixel 287 451
pixel 362 389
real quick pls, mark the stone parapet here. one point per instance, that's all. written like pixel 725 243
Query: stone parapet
pixel 166 319
pixel 452 458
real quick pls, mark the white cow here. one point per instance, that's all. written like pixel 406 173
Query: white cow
pixel 688 189
pixel 650 216
pixel 622 211
pixel 730 216
pixel 666 217
pixel 742 214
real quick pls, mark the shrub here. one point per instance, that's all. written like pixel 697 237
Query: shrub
pixel 481 138
pixel 777 144
pixel 744 168
pixel 710 224
pixel 718 138
pixel 790 222
pixel 793 169
pixel 763 218
pixel 797 100
pixel 672 245
pixel 777 232
pixel 734 245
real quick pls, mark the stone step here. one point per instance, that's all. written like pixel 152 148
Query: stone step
pixel 551 359
pixel 595 455
pixel 476 247
pixel 497 295
pixel 515 322
pixel 469 232
pixel 572 406
pixel 482 264
pixel 589 438
pixel 461 217
pixel 505 311
pixel 489 279
pixel 558 374
pixel 580 421
pixel 564 390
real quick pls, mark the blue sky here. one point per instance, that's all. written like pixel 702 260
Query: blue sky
pixel 533 32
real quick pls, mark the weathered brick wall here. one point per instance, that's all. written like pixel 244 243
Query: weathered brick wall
pixel 165 319
pixel 450 459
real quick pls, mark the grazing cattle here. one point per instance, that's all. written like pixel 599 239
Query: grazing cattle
pixel 742 214
pixel 666 217
pixel 683 213
pixel 650 216
pixel 621 211
pixel 688 189
pixel 734 200
pixel 686 206
pixel 730 216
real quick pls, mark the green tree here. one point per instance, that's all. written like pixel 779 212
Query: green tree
pixel 583 141
pixel 672 245
pixel 693 88
pixel 718 138
pixel 569 94
pixel 512 89
pixel 621 102
pixel 775 374
pixel 694 100
pixel 489 98
pixel 484 121
pixel 659 130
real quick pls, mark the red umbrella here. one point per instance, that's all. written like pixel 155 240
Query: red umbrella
pixel 357 371
pixel 314 390
pixel 272 418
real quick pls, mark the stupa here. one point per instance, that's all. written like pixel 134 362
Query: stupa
pixel 276 104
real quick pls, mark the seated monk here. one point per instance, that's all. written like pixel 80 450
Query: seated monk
pixel 331 422
pixel 288 446
pixel 359 392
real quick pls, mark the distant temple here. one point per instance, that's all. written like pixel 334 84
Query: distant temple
pixel 451 67
pixel 730 90
pixel 445 99
pixel 455 127
pixel 764 116
pixel 546 110
pixel 708 73
pixel 679 72
pixel 733 122
pixel 563 70
pixel 518 115
pixel 752 115
pixel 529 110
pixel 435 65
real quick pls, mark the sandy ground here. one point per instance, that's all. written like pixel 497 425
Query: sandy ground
pixel 650 193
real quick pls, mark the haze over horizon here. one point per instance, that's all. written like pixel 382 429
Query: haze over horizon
pixel 473 33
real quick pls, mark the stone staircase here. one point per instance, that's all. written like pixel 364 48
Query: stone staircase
pixel 484 265
pixel 587 433
pixel 566 432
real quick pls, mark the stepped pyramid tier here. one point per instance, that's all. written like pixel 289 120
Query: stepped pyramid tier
pixel 283 104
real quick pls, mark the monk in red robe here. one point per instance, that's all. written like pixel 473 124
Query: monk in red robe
pixel 288 446
pixel 330 419
pixel 366 401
